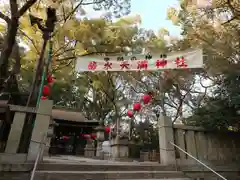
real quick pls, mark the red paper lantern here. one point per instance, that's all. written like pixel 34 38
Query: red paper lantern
pixel 46 90
pixel 130 113
pixel 65 137
pixel 86 136
pixel 49 79
pixel 107 129
pixel 146 98
pixel 43 98
pixel 93 136
pixel 137 107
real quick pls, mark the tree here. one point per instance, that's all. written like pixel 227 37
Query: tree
pixel 65 8
pixel 215 29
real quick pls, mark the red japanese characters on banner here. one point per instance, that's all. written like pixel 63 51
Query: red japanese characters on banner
pixel 107 66
pixel 124 65
pixel 142 64
pixel 180 62
pixel 192 58
pixel 161 63
pixel 92 65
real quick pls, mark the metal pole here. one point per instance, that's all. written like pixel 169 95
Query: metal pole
pixel 45 71
pixel 37 158
pixel 198 161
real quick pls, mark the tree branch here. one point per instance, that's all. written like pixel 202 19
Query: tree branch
pixel 230 20
pixel 34 45
pixel 89 3
pixel 17 57
pixel 14 9
pixel 66 58
pixel 25 7
pixel 5 18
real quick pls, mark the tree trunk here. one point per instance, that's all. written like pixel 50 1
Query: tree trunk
pixel 8 45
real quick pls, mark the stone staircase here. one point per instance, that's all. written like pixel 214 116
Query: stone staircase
pixel 89 171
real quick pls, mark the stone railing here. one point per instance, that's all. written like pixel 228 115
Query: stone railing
pixel 207 146
pixel 41 126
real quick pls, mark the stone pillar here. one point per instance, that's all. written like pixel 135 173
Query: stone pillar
pixel 119 148
pixel 40 129
pixel 165 132
pixel 89 150
pixel 15 132
pixel 100 138
pixel 50 135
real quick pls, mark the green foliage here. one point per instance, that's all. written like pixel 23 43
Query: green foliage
pixel 221 111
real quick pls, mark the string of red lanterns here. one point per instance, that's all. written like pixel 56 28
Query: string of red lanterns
pixel 138 106
pixel 46 88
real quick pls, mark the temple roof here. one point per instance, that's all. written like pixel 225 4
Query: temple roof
pixel 70 116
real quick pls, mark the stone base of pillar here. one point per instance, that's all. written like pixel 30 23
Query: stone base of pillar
pixel 119 148
pixel 89 151
pixel 99 149
pixel 46 147
pixel 145 156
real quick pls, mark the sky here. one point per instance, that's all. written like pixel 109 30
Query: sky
pixel 153 14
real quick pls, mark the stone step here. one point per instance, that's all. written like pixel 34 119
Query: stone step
pixel 104 167
pixel 102 175
pixel 160 179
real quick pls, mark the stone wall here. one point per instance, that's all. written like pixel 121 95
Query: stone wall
pixel 206 145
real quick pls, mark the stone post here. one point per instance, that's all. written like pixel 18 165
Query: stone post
pixel 50 135
pixel 145 156
pixel 89 150
pixel 100 131
pixel 40 129
pixel 165 132
pixel 15 132
pixel 154 155
pixel 119 147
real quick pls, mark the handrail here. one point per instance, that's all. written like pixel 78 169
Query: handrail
pixel 198 161
pixel 37 158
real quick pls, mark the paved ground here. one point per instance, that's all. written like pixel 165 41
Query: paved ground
pixel 83 160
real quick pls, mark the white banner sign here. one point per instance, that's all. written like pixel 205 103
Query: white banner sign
pixel 178 60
